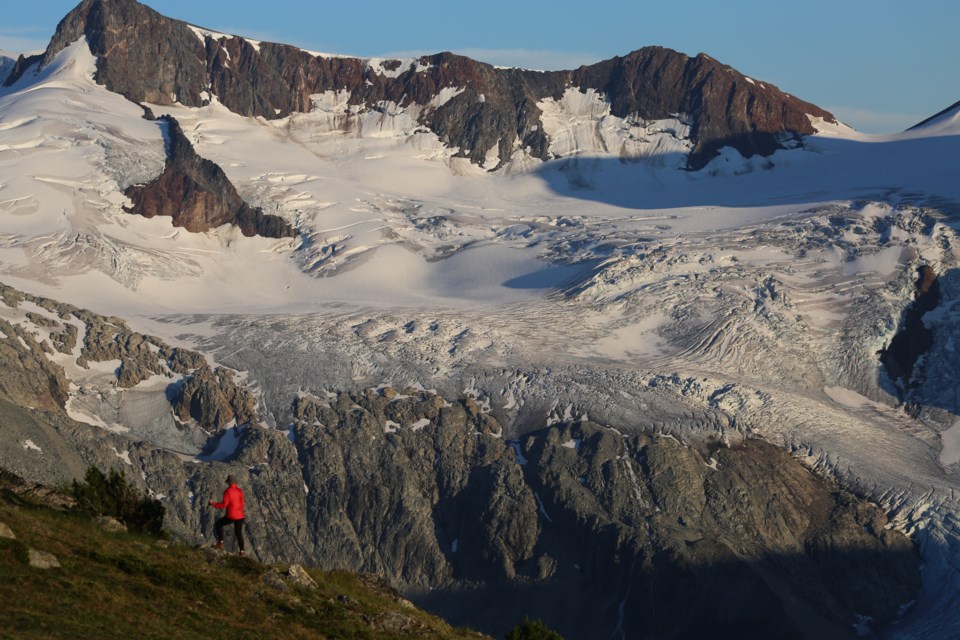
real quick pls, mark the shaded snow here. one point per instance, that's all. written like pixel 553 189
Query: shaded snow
pixel 226 445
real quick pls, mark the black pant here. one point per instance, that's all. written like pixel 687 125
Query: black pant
pixel 237 530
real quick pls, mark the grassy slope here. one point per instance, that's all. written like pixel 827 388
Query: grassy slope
pixel 119 585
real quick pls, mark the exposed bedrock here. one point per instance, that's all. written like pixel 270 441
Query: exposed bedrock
pixel 728 108
pixel 211 398
pixel 197 194
pixel 7 66
pixel 591 530
pixel 913 339
pixel 150 58
pixel 599 533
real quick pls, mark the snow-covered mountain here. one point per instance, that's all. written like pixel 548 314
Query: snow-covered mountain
pixel 946 122
pixel 655 243
pixel 7 63
pixel 486 114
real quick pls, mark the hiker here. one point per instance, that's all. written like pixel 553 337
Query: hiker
pixel 233 503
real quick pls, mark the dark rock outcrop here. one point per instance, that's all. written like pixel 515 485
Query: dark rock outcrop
pixel 140 54
pixel 913 339
pixel 147 57
pixel 213 399
pixel 34 381
pixel 197 194
pixel 20 67
pixel 590 530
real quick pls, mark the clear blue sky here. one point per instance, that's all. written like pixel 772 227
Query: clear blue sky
pixel 879 65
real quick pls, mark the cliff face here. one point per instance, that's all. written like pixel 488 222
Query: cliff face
pixel 147 57
pixel 592 530
pixel 197 194
pixel 140 53
pixel 728 108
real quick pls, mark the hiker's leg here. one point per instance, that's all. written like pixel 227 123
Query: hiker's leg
pixel 238 531
pixel 218 528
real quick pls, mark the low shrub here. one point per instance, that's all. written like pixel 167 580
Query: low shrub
pixel 112 495
pixel 533 630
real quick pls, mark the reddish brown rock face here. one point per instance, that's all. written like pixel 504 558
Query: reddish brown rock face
pixel 198 196
pixel 148 57
pixel 728 108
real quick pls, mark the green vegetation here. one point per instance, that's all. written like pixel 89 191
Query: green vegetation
pixel 533 630
pixel 130 585
pixel 111 495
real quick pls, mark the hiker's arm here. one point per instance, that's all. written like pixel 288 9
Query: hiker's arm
pixel 221 505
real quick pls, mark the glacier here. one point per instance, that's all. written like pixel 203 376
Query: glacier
pixel 748 298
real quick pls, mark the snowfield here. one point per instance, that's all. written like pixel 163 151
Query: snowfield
pixel 752 296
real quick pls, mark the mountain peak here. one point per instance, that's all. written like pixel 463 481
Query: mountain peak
pixel 493 112
pixel 950 113
pixel 117 32
pixel 729 108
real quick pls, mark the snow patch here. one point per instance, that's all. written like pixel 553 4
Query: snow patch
pixel 125 456
pixel 226 446
pixel 581 123
pixel 445 95
pixel 950 445
pixel 202 34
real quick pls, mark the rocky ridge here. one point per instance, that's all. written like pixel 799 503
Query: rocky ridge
pixel 490 108
pixel 584 526
pixel 594 530
pixel 205 399
pixel 197 194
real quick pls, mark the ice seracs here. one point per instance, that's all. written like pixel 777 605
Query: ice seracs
pixel 581 123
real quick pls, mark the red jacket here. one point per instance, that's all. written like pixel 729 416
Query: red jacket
pixel 232 502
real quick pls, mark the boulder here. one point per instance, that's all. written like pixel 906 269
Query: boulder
pixel 299 577
pixel 43 560
pixel 113 525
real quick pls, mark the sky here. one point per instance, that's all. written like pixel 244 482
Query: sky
pixel 878 65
